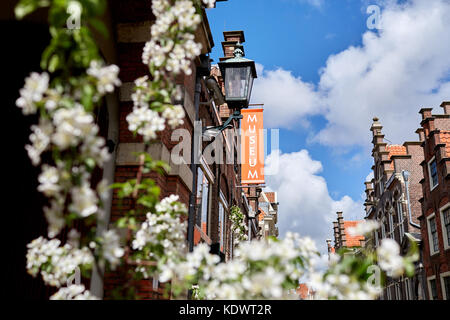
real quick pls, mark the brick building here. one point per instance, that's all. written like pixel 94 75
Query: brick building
pixel 208 188
pixel 387 203
pixel 342 238
pixel 435 219
pixel 268 216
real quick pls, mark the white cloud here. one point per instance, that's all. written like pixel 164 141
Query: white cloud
pixel 391 75
pixel 287 99
pixel 369 176
pixel 306 206
pixel 315 3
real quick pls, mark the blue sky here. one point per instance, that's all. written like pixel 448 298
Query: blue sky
pixel 323 75
pixel 298 36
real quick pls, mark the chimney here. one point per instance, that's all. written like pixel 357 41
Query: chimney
pixel 446 106
pixel 425 112
pixel 421 134
pixel 426 115
pixel 231 39
pixel 336 234
pixel 329 248
pixel 341 229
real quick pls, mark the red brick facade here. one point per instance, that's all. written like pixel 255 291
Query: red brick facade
pixel 435 201
pixel 387 203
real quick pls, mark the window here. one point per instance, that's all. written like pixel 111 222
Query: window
pixel 408 289
pixel 401 225
pixel 391 225
pixel 376 238
pixel 432 234
pixel 432 290
pixel 222 226
pixel 432 170
pixel 445 221
pixel 203 201
pixel 445 285
pixel 398 291
pixel 383 229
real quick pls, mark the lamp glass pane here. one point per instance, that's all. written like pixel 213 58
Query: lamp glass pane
pixel 236 82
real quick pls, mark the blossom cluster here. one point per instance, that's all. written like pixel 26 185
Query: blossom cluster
pixel 260 270
pixel 238 225
pixel 389 258
pixel 111 248
pixel 169 52
pixel 55 263
pixel 73 292
pixel 342 283
pixel 68 130
pixel 161 237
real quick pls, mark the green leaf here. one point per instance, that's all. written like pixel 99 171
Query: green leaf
pixel 25 7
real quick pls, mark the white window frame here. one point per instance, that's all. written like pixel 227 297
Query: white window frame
pixel 376 238
pixel 429 286
pixel 445 295
pixel 398 291
pixel 222 200
pixel 407 289
pixel 444 231
pixel 430 237
pixel 391 224
pixel 429 174
pixel 207 173
pixel 401 221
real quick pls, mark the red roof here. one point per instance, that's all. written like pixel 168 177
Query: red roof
pixel 261 215
pixel 303 291
pixel 444 137
pixel 270 196
pixel 395 150
pixel 352 241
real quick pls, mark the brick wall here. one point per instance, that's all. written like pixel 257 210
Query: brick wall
pixel 434 200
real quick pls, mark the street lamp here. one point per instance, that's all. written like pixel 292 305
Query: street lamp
pixel 212 132
pixel 238 74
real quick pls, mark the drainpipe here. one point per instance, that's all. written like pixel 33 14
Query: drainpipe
pixel 194 165
pixel 406 175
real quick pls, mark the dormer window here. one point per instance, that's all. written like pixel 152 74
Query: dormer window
pixel 433 174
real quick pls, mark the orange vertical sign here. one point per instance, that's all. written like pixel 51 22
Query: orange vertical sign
pixel 252 146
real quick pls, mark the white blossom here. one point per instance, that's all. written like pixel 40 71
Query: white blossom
pixel 146 122
pixel 174 116
pixel 40 139
pixel 48 180
pixel 35 86
pixel 84 201
pixel 73 292
pixel 364 228
pixel 112 251
pixel 55 263
pixel 389 258
pixel 209 3
pixel 107 77
pixel 72 126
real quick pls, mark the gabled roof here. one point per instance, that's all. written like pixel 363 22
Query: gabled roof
pixel 444 137
pixel 352 241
